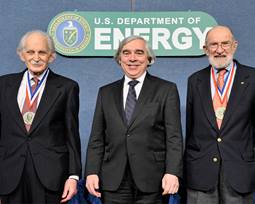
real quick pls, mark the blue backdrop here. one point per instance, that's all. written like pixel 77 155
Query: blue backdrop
pixel 17 17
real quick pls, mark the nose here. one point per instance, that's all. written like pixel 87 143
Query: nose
pixel 36 57
pixel 219 49
pixel 132 57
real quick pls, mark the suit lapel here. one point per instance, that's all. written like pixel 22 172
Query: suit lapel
pixel 204 89
pixel 238 90
pixel 11 94
pixel 50 94
pixel 118 98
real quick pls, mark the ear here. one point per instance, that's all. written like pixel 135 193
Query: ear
pixel 20 54
pixel 205 50
pixel 235 44
pixel 53 56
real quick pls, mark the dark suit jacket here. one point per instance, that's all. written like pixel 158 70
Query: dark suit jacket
pixel 232 145
pixel 152 143
pixel 53 139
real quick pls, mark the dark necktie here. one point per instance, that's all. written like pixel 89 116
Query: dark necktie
pixel 28 111
pixel 131 100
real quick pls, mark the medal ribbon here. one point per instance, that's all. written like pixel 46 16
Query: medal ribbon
pixel 222 94
pixel 30 96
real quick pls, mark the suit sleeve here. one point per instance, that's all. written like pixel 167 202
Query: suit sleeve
pixel 188 110
pixel 253 124
pixel 73 136
pixel 95 150
pixel 174 140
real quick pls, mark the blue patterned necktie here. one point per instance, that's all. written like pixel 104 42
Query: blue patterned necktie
pixel 131 100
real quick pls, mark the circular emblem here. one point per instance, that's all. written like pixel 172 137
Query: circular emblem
pixel 219 113
pixel 70 32
pixel 28 117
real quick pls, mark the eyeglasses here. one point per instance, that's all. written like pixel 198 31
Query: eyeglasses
pixel 224 45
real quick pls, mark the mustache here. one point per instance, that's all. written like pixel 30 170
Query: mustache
pixel 219 56
pixel 40 62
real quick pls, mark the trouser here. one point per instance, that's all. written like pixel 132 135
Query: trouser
pixel 222 194
pixel 128 193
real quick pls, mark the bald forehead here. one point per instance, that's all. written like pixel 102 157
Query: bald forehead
pixel 219 31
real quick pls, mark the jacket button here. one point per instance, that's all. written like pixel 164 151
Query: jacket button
pixel 128 135
pixel 215 159
pixel 219 139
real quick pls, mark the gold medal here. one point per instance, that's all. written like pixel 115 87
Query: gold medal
pixel 219 113
pixel 28 117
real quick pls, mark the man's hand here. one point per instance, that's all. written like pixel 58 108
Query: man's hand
pixel 92 184
pixel 170 184
pixel 70 190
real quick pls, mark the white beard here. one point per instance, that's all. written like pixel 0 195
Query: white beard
pixel 219 64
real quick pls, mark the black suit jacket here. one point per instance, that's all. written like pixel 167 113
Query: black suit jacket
pixel 152 143
pixel 232 145
pixel 53 139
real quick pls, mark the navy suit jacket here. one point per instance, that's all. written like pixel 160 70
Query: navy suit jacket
pixel 232 145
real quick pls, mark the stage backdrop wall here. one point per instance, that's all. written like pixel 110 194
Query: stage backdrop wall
pixel 18 17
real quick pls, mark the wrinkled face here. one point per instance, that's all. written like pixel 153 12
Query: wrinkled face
pixel 134 58
pixel 220 47
pixel 36 54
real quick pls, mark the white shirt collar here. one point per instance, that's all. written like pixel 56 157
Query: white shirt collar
pixel 140 79
pixel 39 77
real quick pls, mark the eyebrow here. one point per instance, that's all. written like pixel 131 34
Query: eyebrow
pixel 137 50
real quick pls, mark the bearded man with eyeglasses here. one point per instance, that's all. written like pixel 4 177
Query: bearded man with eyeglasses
pixel 219 154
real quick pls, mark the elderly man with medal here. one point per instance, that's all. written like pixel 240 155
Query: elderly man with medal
pixel 40 153
pixel 220 124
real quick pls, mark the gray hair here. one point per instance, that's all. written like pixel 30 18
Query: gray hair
pixel 150 53
pixel 22 41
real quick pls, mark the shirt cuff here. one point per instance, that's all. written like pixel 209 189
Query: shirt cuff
pixel 75 177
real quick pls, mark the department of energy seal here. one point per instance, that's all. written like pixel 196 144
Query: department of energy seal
pixel 71 33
